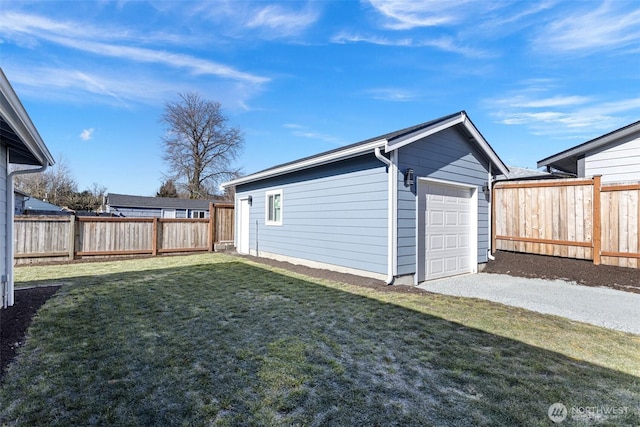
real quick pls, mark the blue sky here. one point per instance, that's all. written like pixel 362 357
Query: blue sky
pixel 299 78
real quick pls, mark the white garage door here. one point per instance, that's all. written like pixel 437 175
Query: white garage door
pixel 447 231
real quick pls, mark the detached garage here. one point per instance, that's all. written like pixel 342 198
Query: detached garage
pixel 408 206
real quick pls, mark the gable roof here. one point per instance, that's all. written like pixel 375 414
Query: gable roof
pixel 390 141
pixel 567 160
pixel 24 144
pixel 128 201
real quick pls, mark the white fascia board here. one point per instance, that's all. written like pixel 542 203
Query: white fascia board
pixel 310 162
pixel 484 145
pixel 591 145
pixel 16 116
pixel 423 133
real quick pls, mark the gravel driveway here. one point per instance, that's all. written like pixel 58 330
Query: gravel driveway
pixel 605 307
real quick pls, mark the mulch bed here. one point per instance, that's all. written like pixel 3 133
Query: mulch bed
pixel 582 272
pixel 15 320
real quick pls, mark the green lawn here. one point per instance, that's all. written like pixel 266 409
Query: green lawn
pixel 213 339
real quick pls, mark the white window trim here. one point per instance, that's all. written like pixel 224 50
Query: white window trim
pixel 197 211
pixel 266 207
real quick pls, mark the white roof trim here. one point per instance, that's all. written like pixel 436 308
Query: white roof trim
pixel 484 145
pixel 304 164
pixel 16 116
pixel 591 145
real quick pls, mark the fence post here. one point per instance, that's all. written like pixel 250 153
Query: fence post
pixel 211 238
pixel 72 236
pixel 154 237
pixel 597 220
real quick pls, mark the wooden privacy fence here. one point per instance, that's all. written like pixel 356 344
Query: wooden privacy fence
pixel 574 218
pixel 63 238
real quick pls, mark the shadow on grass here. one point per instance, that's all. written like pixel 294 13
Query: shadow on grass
pixel 230 343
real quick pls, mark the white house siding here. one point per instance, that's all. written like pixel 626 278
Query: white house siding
pixel 616 163
pixel 446 156
pixel 335 214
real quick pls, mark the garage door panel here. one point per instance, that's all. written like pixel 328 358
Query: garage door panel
pixel 436 242
pixel 464 219
pixel 451 218
pixel 436 266
pixel 451 241
pixel 436 217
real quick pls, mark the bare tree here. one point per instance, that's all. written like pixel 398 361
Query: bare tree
pixel 199 146
pixel 55 185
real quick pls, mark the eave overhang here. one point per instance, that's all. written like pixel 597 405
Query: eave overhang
pixel 24 144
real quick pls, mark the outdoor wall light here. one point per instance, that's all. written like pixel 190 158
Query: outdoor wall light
pixel 408 177
pixel 250 200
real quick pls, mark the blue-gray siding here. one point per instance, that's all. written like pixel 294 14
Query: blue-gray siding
pixel 335 214
pixel 132 212
pixel 447 156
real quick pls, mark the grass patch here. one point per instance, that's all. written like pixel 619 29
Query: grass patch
pixel 216 340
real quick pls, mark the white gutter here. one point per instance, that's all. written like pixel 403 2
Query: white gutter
pixel 7 278
pixel 391 206
pixel 490 185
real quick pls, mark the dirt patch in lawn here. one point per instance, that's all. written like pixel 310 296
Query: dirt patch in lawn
pixel 15 320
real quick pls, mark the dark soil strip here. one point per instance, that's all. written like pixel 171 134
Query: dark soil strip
pixel 15 320
pixel 583 272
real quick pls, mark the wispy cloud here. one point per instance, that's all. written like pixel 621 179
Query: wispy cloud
pixel 408 14
pixel 280 22
pixel 392 94
pixel 69 35
pixel 87 134
pixel 176 60
pixel 444 43
pixel 559 116
pixel 614 24
pixel 20 26
pixel 521 101
pixel 304 132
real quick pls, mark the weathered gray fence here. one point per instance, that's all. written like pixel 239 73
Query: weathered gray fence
pixel 63 238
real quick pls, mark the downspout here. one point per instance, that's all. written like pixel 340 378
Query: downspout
pixel 490 185
pixel 391 205
pixel 7 278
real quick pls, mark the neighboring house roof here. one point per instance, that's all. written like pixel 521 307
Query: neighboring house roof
pixel 24 144
pixel 40 205
pixel 519 173
pixel 124 200
pixel 567 160
pixel 390 141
